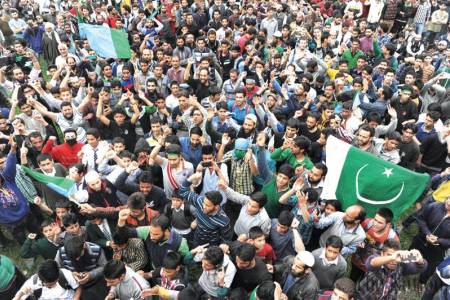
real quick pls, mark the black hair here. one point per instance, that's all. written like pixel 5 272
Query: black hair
pixel 391 244
pixel 293 123
pixel 214 255
pixel 188 293
pixel 386 214
pixel 146 177
pixel 161 221
pixel 260 198
pixel 214 196
pixel 119 238
pixel 255 232
pixel 172 260
pixel 323 167
pixel 114 269
pixel 373 116
pixel 69 219
pixel 313 195
pixel 45 223
pixel 285 218
pixel 266 290
pixel 246 252
pixel 347 286
pixel 367 128
pixel 434 115
pixel 196 130
pixel 335 203
pixel 207 150
pixel 68 130
pixel 118 140
pixel 287 169
pixel 74 247
pixel 48 271
pixel 303 143
pixel 94 132
pixel 43 156
pixel 410 126
pixel 136 201
pixel 394 135
pixel 334 241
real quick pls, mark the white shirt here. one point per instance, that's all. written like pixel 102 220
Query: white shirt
pixel 56 292
pixel 327 262
pixel 88 154
pixel 76 123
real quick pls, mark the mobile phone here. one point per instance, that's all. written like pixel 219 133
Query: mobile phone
pixel 206 164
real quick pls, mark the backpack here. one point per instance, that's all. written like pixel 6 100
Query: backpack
pixel 187 212
pixel 61 280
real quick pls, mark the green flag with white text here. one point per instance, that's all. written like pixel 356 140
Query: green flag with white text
pixel 358 177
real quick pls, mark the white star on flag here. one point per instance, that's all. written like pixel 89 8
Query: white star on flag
pixel 387 172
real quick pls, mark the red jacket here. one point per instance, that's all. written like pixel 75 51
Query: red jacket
pixel 64 154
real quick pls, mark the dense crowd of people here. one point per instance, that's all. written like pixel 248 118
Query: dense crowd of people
pixel 199 162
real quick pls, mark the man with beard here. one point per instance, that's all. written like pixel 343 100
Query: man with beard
pixel 85 260
pixel 66 153
pixel 154 195
pixel 70 116
pixel 364 139
pixel 200 83
pixel 183 52
pixel 297 279
pixel 310 129
pixel 346 225
pixel 159 238
pixel 409 149
pixel 175 169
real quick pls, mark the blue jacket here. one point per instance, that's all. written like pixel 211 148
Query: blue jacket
pixel 13 205
pixel 34 38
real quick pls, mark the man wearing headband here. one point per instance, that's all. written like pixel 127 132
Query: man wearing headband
pixel 175 169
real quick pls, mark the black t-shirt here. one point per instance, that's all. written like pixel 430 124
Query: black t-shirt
pixel 313 136
pixel 435 153
pixel 200 90
pixel 126 131
pixel 249 279
pixel 409 152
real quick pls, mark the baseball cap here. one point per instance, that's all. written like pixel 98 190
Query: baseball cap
pixel 277 34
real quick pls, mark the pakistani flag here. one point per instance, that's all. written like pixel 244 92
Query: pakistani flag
pixel 358 177
pixel 107 42
pixel 61 185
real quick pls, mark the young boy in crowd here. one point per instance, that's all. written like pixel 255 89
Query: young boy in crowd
pixel 44 246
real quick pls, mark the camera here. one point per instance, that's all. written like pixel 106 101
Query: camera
pixel 206 164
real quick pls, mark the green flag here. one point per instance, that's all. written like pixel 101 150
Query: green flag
pixel 61 185
pixel 358 177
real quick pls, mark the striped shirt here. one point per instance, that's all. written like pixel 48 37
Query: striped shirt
pixel 212 229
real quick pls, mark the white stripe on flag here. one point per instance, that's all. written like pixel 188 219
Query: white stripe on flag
pixel 336 153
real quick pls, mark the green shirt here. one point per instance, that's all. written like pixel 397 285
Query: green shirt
pixel 286 155
pixel 143 232
pixel 273 196
pixel 7 271
pixel 352 59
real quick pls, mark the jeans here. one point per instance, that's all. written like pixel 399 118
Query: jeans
pixel 419 28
